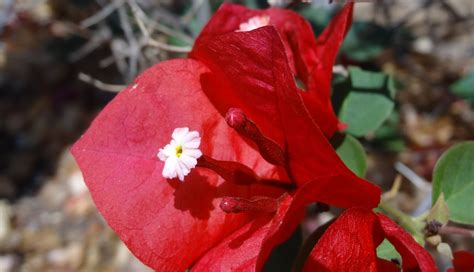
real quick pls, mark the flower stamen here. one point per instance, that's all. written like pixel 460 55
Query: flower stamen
pixel 270 151
pixel 239 174
pixel 179 151
pixel 254 204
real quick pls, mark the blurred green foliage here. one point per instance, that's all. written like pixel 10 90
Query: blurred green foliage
pixel 464 87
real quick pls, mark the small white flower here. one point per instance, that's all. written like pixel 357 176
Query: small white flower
pixel 181 154
pixel 254 23
pixel 281 3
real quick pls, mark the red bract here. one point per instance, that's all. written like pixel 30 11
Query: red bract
pixel 310 59
pixel 268 96
pixel 235 206
pixel 350 245
pixel 463 262
pixel 167 224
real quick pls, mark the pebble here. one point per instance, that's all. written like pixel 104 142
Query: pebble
pixel 8 262
pixel 5 225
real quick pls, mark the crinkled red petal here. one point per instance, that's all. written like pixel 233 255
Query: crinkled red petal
pixel 243 78
pixel 319 73
pixel 347 245
pixel 256 62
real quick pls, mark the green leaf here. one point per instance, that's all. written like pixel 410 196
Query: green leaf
pixel 368 103
pixel 464 87
pixel 368 80
pixel 318 17
pixel 454 176
pixel 251 4
pixel 387 251
pixel 352 153
pixel 392 86
pixel 439 211
pixel 387 136
pixel 389 129
pixel 394 145
pixel 364 112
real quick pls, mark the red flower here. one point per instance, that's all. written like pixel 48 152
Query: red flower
pixel 350 244
pixel 172 225
pixel 310 59
pixel 463 262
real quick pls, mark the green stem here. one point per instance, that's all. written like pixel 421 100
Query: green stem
pixel 406 221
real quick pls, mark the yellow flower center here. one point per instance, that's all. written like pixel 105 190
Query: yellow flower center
pixel 179 151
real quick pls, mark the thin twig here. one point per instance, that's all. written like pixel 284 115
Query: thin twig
pixel 138 12
pixel 106 62
pixel 395 188
pixel 99 37
pixel 414 178
pixel 186 19
pixel 99 84
pixel 119 51
pixel 457 230
pixel 133 46
pixel 102 14
pixel 170 48
pixel 171 32
pixel 419 182
pixel 138 19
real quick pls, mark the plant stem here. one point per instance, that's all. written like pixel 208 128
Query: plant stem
pixel 403 219
pixel 456 230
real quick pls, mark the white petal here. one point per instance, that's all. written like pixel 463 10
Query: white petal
pixel 195 153
pixel 170 149
pixel 161 155
pixel 166 152
pixel 179 171
pixel 179 133
pixel 254 23
pixel 184 168
pixel 190 136
pixel 169 170
pixel 194 143
pixel 189 161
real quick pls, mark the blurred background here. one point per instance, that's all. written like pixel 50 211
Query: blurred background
pixel 62 61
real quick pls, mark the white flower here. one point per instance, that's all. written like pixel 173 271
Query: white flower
pixel 181 154
pixel 254 23
pixel 281 3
